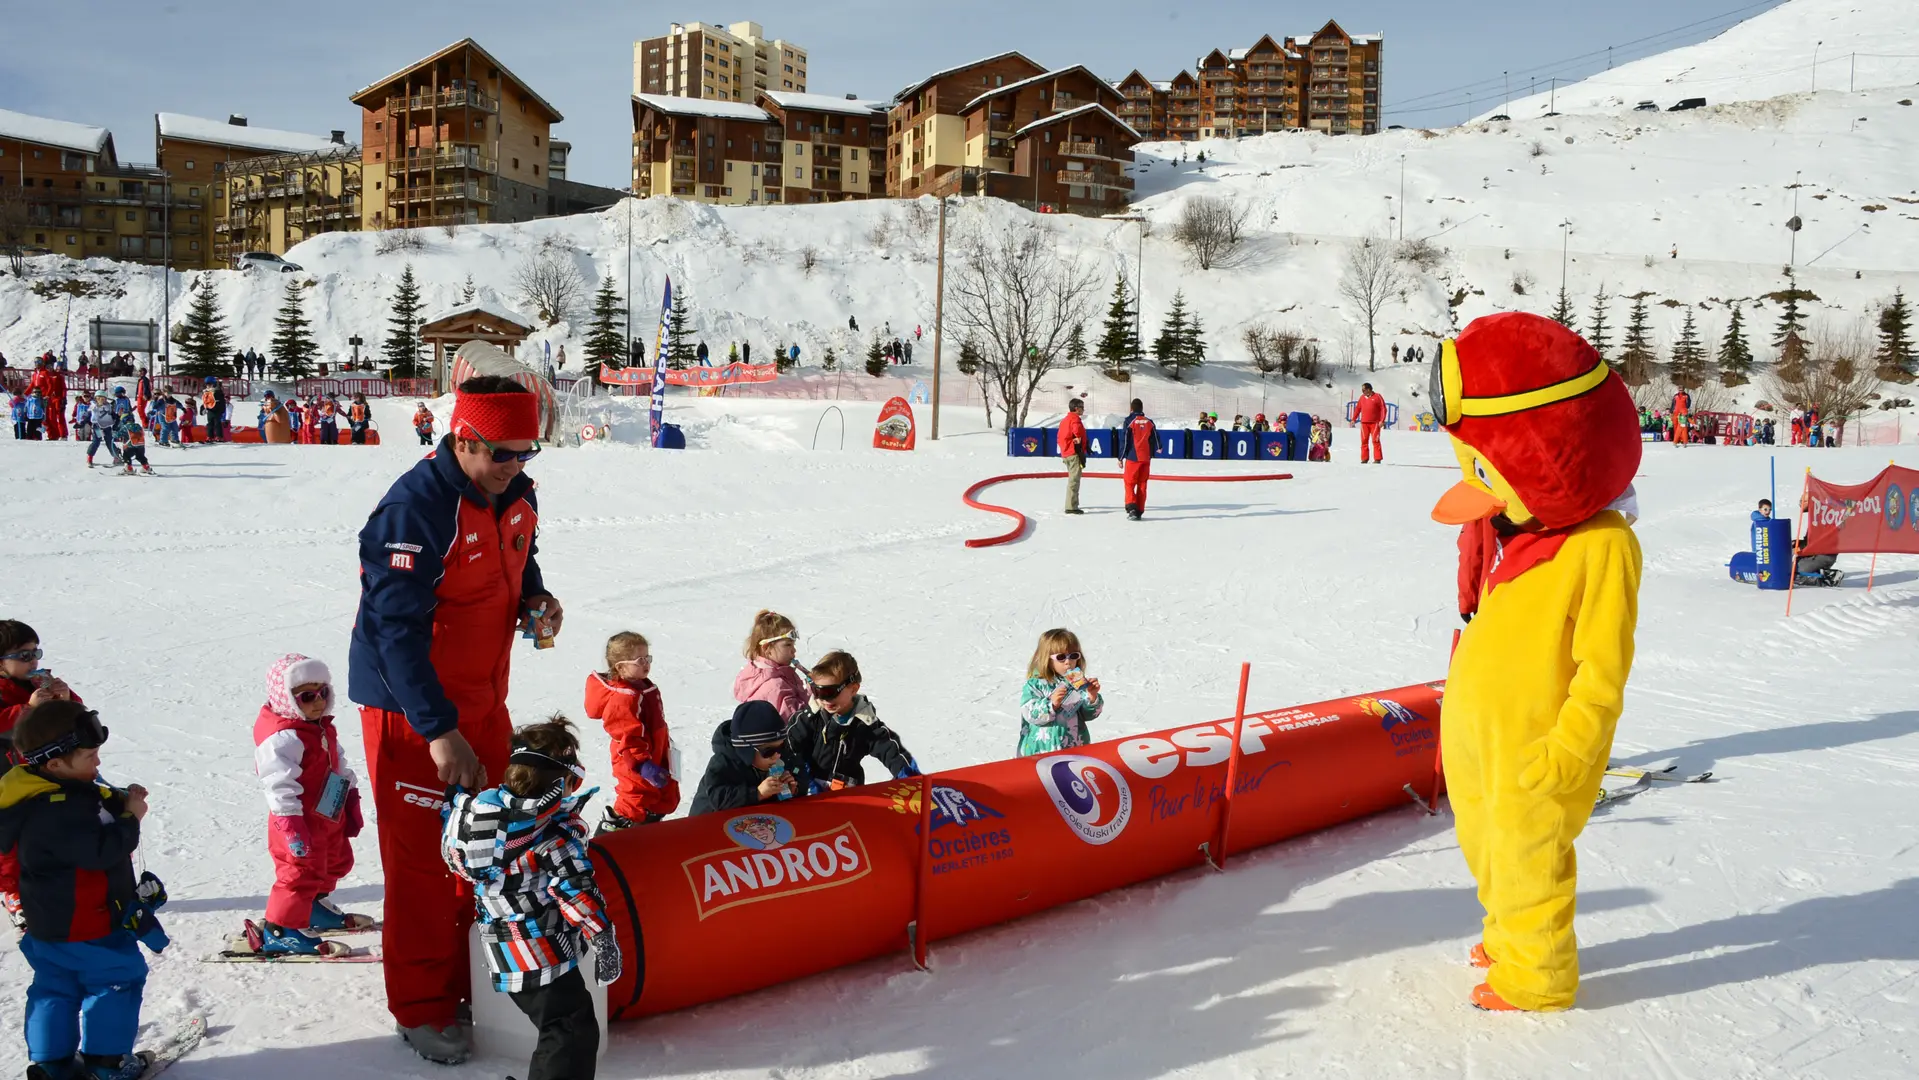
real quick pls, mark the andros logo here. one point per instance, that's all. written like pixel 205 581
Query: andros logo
pixel 769 860
pixel 1089 794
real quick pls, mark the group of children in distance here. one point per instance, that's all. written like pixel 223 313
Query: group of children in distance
pixel 67 837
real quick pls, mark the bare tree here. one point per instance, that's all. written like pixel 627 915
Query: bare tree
pixel 1273 350
pixel 1372 277
pixel 13 227
pixel 1018 298
pixel 399 239
pixel 1210 228
pixel 1837 375
pixel 549 283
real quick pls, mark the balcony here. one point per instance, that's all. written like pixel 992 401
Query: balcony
pixel 1093 178
pixel 456 98
pixel 446 156
pixel 1081 148
pixel 466 191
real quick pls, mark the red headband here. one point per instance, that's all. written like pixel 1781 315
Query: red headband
pixel 496 417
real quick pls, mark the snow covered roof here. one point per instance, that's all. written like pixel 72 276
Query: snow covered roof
pixel 481 307
pixel 201 130
pixel 718 110
pixel 1237 54
pixel 938 75
pixel 65 134
pixel 1070 113
pixel 1013 87
pixel 1163 85
pixel 825 103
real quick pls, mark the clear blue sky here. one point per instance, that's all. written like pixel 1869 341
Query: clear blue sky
pixel 292 65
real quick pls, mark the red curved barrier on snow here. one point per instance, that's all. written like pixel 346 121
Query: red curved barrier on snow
pixel 1019 519
pixel 701 905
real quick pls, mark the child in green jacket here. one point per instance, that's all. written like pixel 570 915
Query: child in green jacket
pixel 1058 698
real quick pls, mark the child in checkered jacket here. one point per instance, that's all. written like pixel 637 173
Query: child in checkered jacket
pixel 523 846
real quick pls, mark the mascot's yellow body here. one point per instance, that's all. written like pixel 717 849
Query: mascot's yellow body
pixel 1548 440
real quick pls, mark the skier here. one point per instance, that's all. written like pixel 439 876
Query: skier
pixel 186 418
pixel 213 400
pixel 625 700
pixel 1072 451
pixel 133 446
pixel 423 424
pixel 102 422
pixel 1136 450
pixel 83 907
pixel 169 421
pixel 329 413
pixel 313 808
pixel 19 407
pixel 1058 699
pixel 522 845
pixel 36 413
pixel 83 416
pixel 1681 417
pixel 296 418
pixel 750 763
pixel 448 569
pixel 358 416
pixel 1372 416
pixel 840 729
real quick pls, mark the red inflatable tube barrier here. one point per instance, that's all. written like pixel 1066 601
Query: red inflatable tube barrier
pixel 1019 519
pixel 692 899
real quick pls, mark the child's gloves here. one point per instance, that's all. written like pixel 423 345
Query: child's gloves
pixel 16 915
pixel 912 769
pixel 354 821
pixel 654 775
pixel 607 962
pixel 292 831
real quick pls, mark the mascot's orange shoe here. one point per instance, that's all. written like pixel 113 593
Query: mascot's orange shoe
pixel 1486 1000
pixel 1478 957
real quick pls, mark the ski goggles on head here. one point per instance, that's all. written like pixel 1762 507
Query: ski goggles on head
pixel 535 759
pixel 88 734
pixel 1451 405
pixel 829 691
pixel 29 655
pixel 791 635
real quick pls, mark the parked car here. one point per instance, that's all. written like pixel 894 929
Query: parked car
pixel 265 260
pixel 1688 103
pixel 1499 116
pixel 1646 106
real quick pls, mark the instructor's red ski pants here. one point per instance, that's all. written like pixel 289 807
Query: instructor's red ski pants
pixel 1369 450
pixel 428 910
pixel 1137 473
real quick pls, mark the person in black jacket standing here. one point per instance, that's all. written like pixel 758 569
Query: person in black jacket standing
pixel 750 762
pixel 841 729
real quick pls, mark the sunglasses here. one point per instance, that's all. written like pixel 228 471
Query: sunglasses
pixel 29 655
pixel 308 697
pixel 501 457
pixel 791 635
pixel 773 750
pixel 828 693
pixel 643 661
pixel 1066 657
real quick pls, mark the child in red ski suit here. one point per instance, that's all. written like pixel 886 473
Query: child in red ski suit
pixel 628 703
pixel 313 807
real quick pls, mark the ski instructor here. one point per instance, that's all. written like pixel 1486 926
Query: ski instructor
pixel 447 572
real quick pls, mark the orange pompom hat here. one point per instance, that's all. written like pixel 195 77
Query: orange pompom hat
pixel 1543 408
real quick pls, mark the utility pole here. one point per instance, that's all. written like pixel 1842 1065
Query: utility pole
pixel 629 281
pixel 1852 74
pixel 1402 197
pixel 1815 65
pixel 1793 225
pixel 166 276
pixel 1552 97
pixel 1507 105
pixel 1565 249
pixel 939 317
pixel 1139 283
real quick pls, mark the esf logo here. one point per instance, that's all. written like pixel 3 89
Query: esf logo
pixel 769 861
pixel 1089 794
pixel 415 795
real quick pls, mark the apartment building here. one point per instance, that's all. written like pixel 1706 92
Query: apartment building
pixel 195 150
pixel 275 201
pixel 834 149
pixel 1053 140
pixel 453 139
pixel 63 190
pixel 1325 81
pixel 709 151
pixel 925 133
pixel 715 63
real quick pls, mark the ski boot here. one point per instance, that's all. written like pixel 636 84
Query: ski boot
pixel 283 941
pixel 70 1069
pixel 1478 957
pixel 122 1067
pixel 327 917
pixel 612 822
pixel 1486 999
pixel 449 1045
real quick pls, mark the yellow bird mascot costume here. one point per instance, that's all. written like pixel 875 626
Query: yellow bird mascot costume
pixel 1548 439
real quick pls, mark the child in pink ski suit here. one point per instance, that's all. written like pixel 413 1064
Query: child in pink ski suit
pixel 769 674
pixel 313 806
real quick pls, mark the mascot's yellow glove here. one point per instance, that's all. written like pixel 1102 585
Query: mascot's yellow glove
pixel 1551 769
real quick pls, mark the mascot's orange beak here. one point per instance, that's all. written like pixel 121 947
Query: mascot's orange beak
pixel 1465 503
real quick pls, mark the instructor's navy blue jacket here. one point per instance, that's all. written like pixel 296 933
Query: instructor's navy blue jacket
pixel 444 572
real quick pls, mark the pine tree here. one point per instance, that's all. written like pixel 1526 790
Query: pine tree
pixel 294 351
pixel 1895 335
pixel 875 358
pixel 1118 341
pixel 1688 369
pixel 1636 356
pixel 606 334
pixel 1563 310
pixel 1596 333
pixel 468 291
pixel 1076 345
pixel 1169 348
pixel 204 343
pixel 969 357
pixel 1791 323
pixel 832 360
pixel 681 352
pixel 783 361
pixel 1192 350
pixel 1735 356
pixel 402 348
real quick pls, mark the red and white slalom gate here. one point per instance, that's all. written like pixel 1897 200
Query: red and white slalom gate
pixel 696 901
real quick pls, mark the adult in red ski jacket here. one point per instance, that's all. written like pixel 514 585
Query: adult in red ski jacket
pixel 447 567
pixel 1372 417
pixel 1072 451
pixel 1136 444
pixel 644 788
pixel 1681 417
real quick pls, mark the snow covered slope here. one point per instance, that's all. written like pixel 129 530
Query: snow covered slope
pixel 1859 45
pixel 1756 927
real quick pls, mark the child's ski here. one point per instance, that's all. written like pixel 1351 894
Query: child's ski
pixel 1664 775
pixel 1608 797
pixel 245 949
pixel 348 931
pixel 178 1045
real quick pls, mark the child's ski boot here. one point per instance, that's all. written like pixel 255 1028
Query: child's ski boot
pixel 327 918
pixel 284 941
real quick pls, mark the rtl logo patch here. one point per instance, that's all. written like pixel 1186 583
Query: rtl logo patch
pixel 400 560
pixel 769 861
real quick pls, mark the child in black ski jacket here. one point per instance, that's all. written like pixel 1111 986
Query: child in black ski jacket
pixel 840 729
